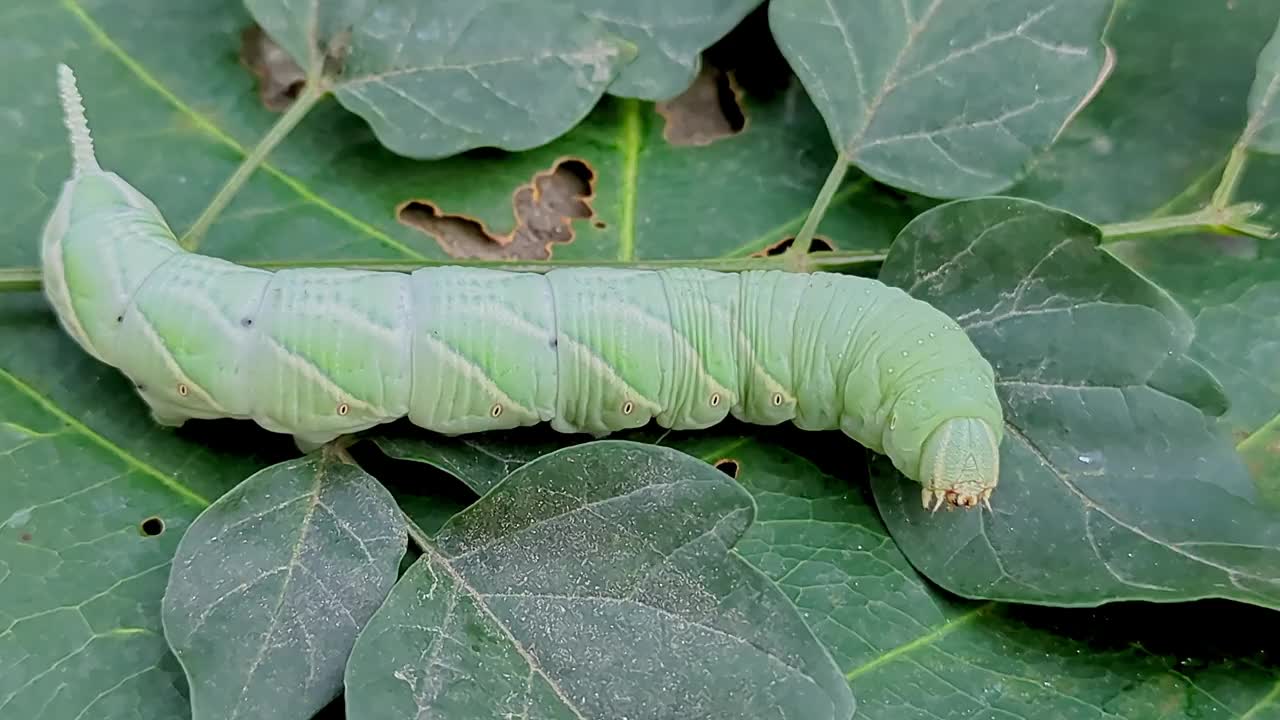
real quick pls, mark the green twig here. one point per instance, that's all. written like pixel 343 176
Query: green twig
pixel 20 279
pixel 314 89
pixel 1231 220
pixel 417 535
pixel 796 254
pixel 1231 176
pixel 28 278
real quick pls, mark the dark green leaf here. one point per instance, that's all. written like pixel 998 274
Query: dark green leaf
pixel 597 581
pixel 1262 133
pixel 911 652
pixel 272 583
pixel 669 35
pixel 1110 488
pixel 1261 451
pixel 1231 287
pixel 1155 139
pixel 946 98
pixel 436 80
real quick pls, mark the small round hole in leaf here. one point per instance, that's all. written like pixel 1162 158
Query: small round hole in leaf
pixel 728 466
pixel 151 527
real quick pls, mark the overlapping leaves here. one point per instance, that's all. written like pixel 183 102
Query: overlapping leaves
pixel 82 582
pixel 1111 467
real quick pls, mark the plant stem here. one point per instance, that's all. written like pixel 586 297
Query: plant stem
pixel 28 278
pixel 1231 176
pixel 1224 220
pixel 312 91
pixel 19 279
pixel 795 255
pixel 416 535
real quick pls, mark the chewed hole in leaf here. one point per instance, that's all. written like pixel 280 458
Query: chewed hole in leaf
pixel 280 80
pixel 545 210
pixel 728 466
pixel 819 244
pixel 709 110
pixel 151 527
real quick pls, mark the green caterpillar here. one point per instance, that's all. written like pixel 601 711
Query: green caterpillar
pixel 319 353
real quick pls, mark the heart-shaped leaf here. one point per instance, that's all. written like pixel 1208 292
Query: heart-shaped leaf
pixel 439 78
pixel 1114 483
pixel 946 98
pixel 595 582
pixel 910 650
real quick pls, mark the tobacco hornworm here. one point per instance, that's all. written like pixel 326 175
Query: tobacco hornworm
pixel 318 353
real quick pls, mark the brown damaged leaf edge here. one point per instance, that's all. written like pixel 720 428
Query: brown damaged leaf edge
pixel 820 243
pixel 544 209
pixel 280 80
pixel 728 466
pixel 709 110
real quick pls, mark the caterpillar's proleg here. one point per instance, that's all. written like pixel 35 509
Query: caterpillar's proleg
pixel 320 353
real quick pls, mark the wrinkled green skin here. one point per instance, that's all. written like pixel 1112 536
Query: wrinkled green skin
pixel 319 353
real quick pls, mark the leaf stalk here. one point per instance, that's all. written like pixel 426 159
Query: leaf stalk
pixel 22 279
pixel 1232 174
pixel 313 90
pixel 1230 220
pixel 797 254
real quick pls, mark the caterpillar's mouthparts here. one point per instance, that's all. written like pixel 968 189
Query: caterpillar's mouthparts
pixel 960 465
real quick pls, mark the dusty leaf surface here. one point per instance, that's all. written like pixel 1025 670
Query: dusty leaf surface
pixel 594 582
pixel 918 93
pixel 436 80
pixel 273 582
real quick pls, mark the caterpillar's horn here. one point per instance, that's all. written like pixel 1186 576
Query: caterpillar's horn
pixel 77 125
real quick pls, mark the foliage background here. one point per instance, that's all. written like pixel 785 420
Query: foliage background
pixel 174 110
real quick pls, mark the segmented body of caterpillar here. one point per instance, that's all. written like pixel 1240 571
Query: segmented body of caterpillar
pixel 319 353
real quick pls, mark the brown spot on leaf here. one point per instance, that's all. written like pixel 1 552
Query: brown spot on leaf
pixel 544 210
pixel 279 77
pixel 819 244
pixel 26 537
pixel 709 110
pixel 728 466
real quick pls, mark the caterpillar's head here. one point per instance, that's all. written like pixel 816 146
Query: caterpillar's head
pixel 960 464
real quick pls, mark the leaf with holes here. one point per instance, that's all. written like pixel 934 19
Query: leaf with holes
pixel 595 582
pixel 1114 483
pixel 460 74
pixel 946 98
pixel 88 525
pixel 85 465
pixel 272 583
